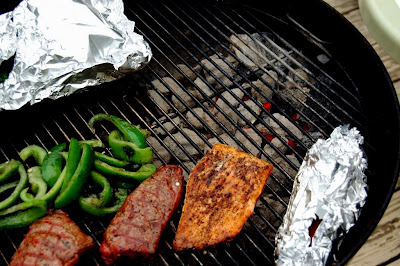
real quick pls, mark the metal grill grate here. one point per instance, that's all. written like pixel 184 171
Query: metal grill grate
pixel 183 33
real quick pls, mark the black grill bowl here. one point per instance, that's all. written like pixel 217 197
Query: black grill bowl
pixel 353 87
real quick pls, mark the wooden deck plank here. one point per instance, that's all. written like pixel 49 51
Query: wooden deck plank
pixel 343 6
pixel 384 243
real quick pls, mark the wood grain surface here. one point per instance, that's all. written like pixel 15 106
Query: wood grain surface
pixel 383 246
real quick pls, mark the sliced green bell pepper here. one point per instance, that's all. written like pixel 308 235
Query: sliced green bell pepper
pixel 38 186
pixel 74 155
pixel 53 192
pixel 94 143
pixel 22 214
pixel 74 186
pixel 52 164
pixel 23 181
pixel 128 151
pixel 110 160
pixel 140 175
pixel 37 152
pixel 7 169
pixel 132 133
pixel 119 197
pixel 4 188
pixel 104 197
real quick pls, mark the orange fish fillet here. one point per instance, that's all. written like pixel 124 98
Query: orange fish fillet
pixel 221 194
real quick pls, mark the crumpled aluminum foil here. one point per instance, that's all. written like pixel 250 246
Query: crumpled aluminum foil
pixel 331 186
pixel 65 45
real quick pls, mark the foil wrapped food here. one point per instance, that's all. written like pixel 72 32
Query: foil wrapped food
pixel 63 46
pixel 328 194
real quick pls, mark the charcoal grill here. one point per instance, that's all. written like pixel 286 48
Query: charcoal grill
pixel 346 84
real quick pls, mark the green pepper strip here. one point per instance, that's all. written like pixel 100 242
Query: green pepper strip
pixel 7 169
pixel 110 160
pixel 37 152
pixel 120 195
pixel 74 155
pixel 78 179
pixel 128 151
pixel 140 175
pixel 131 132
pixel 94 143
pixel 53 192
pixel 8 186
pixel 22 214
pixel 52 164
pixel 23 181
pixel 38 186
pixel 104 197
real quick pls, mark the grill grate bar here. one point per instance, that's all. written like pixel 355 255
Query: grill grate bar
pixel 305 69
pixel 4 258
pixel 232 259
pixel 258 248
pixel 245 255
pixel 265 220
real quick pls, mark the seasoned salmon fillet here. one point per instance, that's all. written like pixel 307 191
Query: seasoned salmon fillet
pixel 53 240
pixel 221 194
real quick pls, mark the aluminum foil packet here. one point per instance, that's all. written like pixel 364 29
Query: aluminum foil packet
pixel 328 193
pixel 66 45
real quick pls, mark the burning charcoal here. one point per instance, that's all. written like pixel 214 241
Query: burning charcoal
pixel 246 142
pixel 285 122
pixel 244 48
pixel 212 124
pixel 264 89
pixel 219 75
pixel 185 143
pixel 277 206
pixel 268 214
pixel 315 135
pixel 246 113
pixel 226 138
pixel 186 70
pixel 230 98
pixel 162 152
pixel 203 87
pixel 190 165
pixel 193 120
pixel 227 110
pixel 212 141
pixel 304 77
pixel 158 85
pixel 281 177
pixel 168 126
pixel 157 162
pixel 185 97
pixel 294 95
pixel 277 143
pixel 158 99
